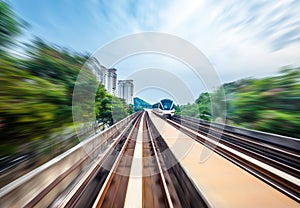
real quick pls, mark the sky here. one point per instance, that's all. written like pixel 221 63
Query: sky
pixel 240 38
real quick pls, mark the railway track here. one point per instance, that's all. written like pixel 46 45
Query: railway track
pixel 287 160
pixel 161 186
pixel 106 185
pixel 104 176
pixel 113 191
pixel 280 158
pixel 173 179
pixel 101 177
pixel 98 180
pixel 57 182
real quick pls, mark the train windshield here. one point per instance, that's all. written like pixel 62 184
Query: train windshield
pixel 167 104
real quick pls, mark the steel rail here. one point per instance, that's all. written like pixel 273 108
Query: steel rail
pixel 69 171
pixel 75 193
pixel 242 160
pixel 189 194
pixel 264 152
pixel 101 194
pixel 165 187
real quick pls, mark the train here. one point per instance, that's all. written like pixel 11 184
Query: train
pixel 164 108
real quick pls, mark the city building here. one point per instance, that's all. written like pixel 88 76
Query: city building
pixel 125 90
pixel 103 74
pixel 107 77
pixel 112 81
pixel 95 66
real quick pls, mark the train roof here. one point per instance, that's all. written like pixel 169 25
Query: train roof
pixel 166 100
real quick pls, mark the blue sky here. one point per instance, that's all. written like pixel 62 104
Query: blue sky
pixel 241 38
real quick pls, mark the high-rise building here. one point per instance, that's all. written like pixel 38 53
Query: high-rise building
pixel 103 74
pixel 94 65
pixel 112 81
pixel 107 77
pixel 125 90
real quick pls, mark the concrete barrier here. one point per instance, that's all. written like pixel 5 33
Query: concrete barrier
pixel 58 173
pixel 283 141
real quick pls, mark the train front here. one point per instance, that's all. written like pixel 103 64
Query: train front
pixel 167 108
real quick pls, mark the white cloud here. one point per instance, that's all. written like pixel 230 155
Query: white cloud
pixel 241 38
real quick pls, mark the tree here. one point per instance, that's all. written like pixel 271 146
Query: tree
pixel 27 105
pixel 270 104
pixel 110 109
pixel 204 106
pixel 36 89
pixel 11 25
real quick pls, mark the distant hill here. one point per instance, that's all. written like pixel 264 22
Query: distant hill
pixel 139 104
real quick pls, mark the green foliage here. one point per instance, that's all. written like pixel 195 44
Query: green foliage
pixel 278 122
pixel 10 25
pixel 120 109
pixel 110 109
pixel 36 93
pixel 190 110
pixel 37 88
pixel 270 104
pixel 177 109
pixel 247 106
pixel 204 106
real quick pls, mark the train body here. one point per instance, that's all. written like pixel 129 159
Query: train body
pixel 164 108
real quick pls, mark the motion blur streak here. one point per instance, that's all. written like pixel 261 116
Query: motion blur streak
pixel 36 99
pixel 37 78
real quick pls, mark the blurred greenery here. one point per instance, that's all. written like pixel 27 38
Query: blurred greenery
pixel 110 109
pixel 10 25
pixel 37 86
pixel 270 104
pixel 203 104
